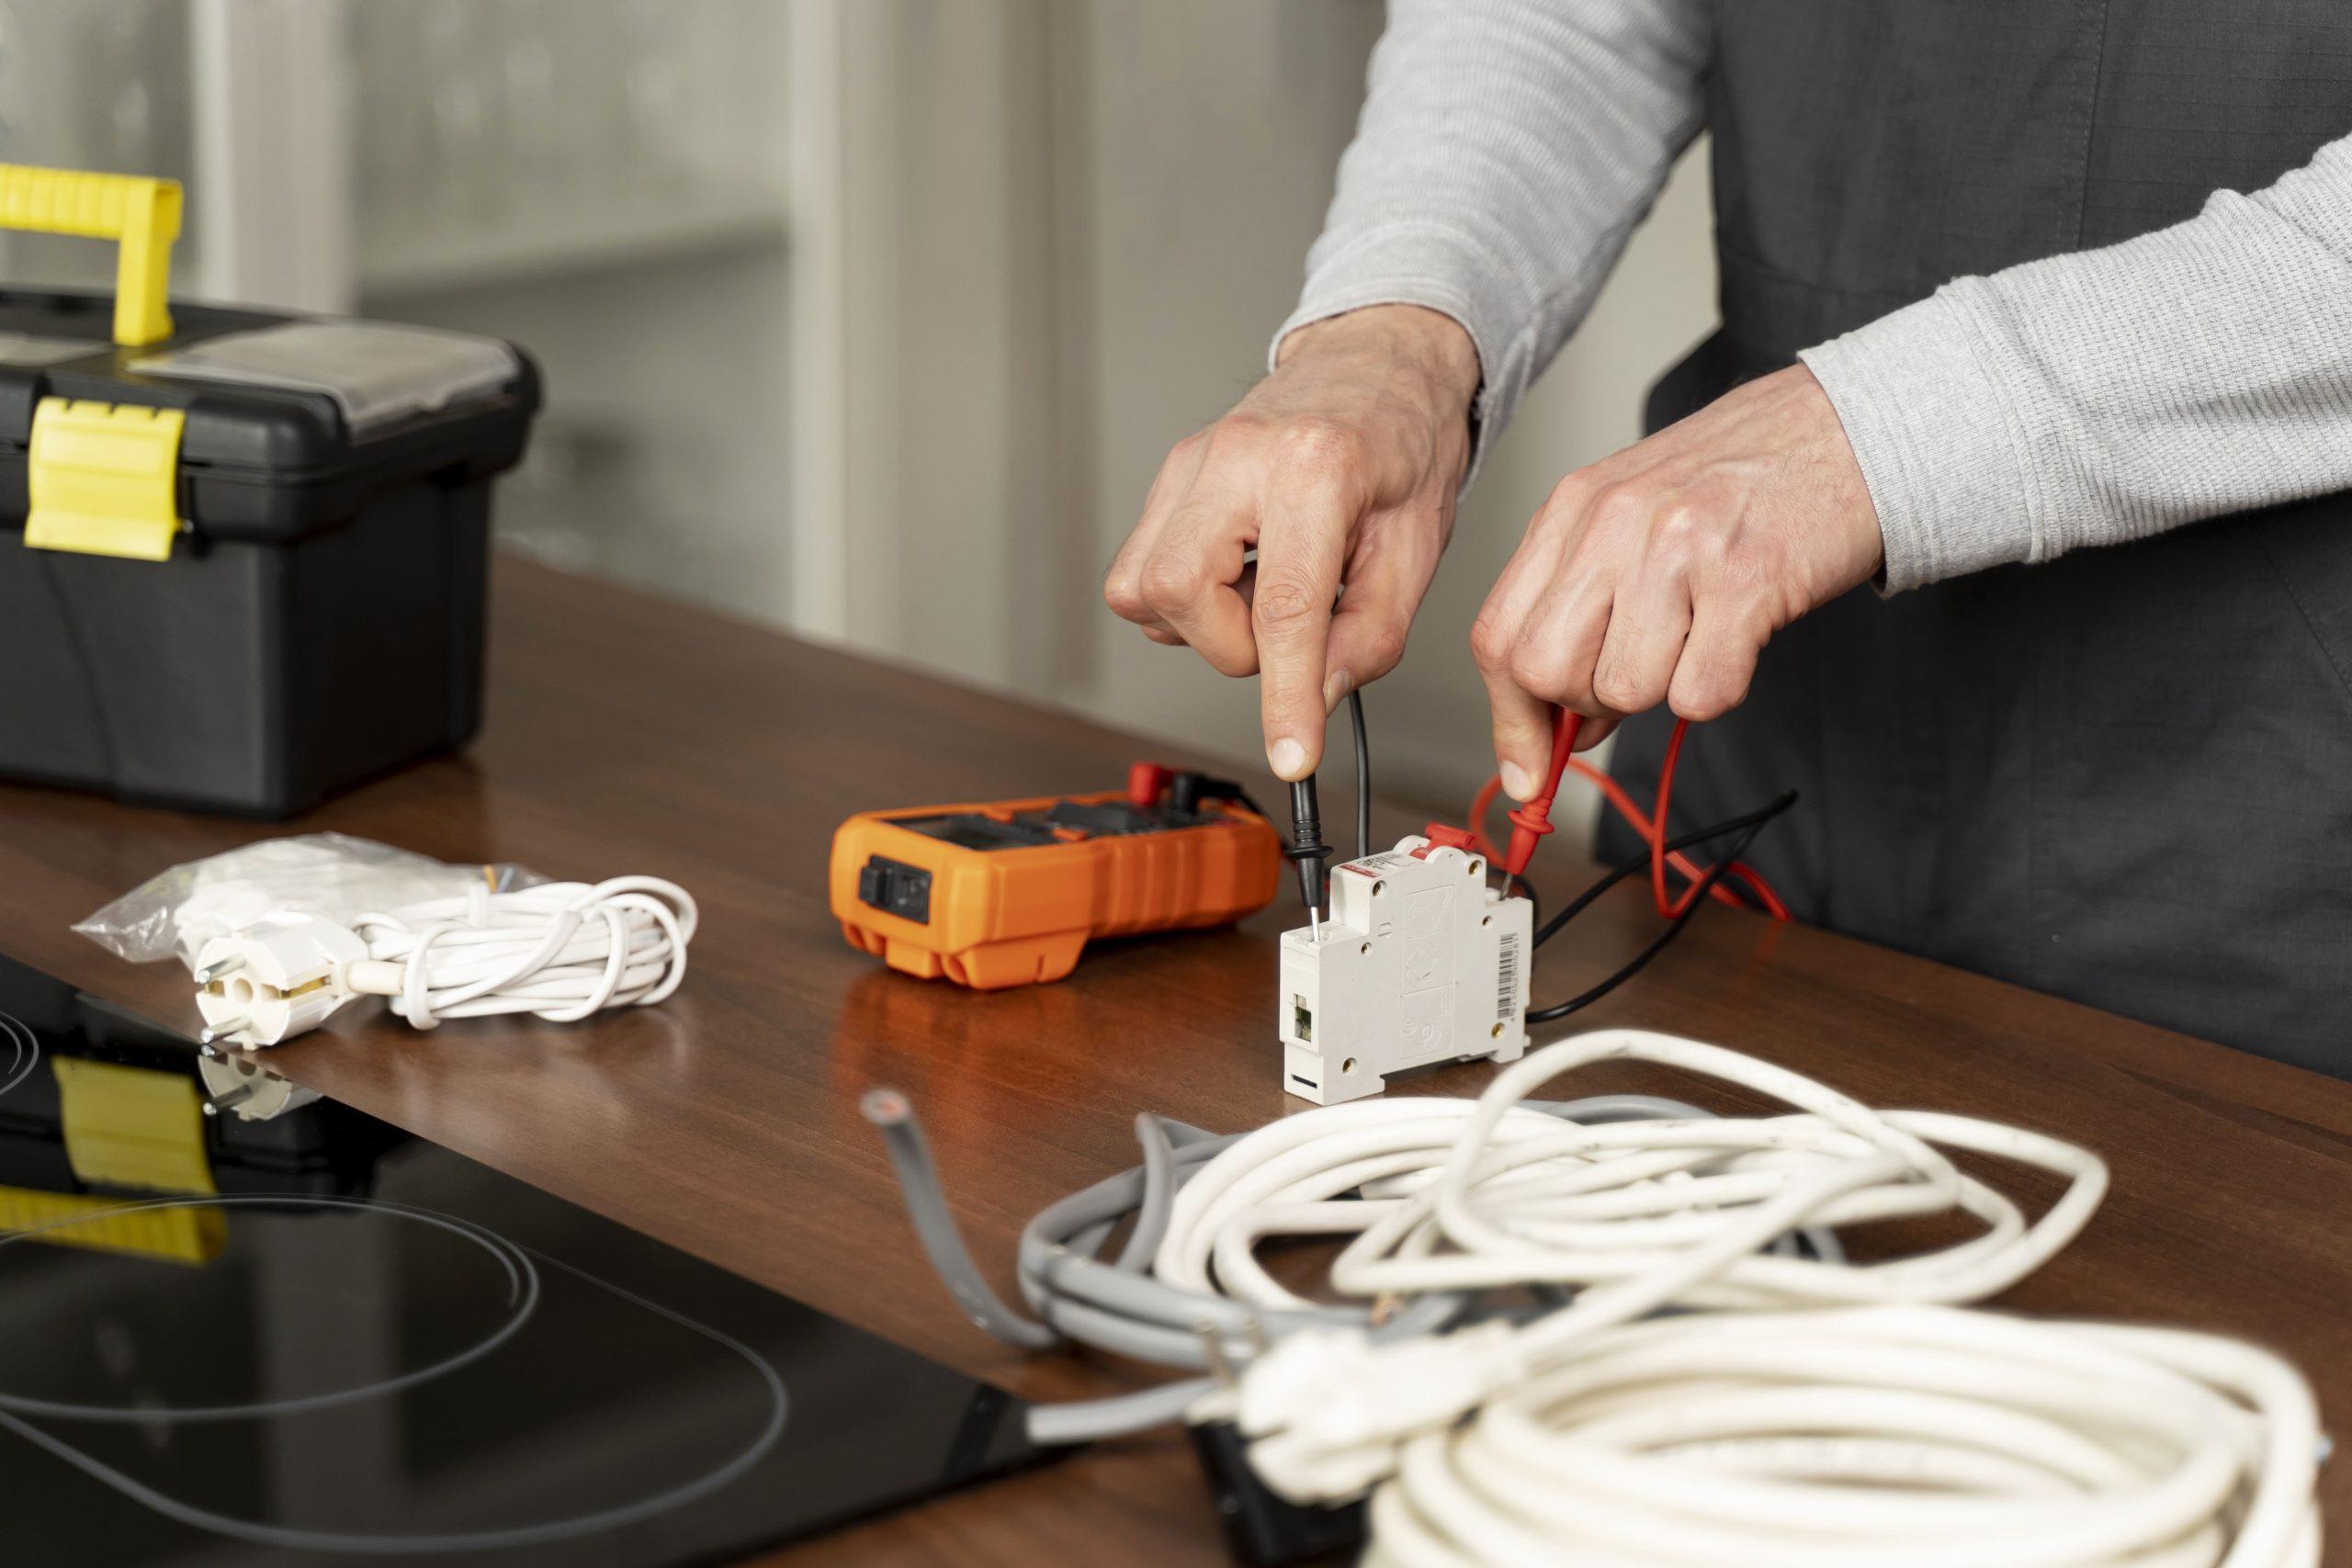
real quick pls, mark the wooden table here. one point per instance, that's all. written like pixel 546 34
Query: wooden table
pixel 629 735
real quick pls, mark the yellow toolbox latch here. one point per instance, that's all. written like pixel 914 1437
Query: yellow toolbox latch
pixel 103 478
pixel 132 1126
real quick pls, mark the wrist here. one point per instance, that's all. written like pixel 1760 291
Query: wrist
pixel 1425 356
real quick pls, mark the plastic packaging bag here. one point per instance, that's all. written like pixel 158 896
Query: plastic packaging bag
pixel 330 875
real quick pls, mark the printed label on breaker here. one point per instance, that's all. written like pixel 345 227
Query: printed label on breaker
pixel 1506 978
pixel 1373 865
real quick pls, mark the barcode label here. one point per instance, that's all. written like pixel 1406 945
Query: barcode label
pixel 1507 979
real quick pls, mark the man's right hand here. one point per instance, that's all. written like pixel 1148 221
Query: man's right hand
pixel 1340 466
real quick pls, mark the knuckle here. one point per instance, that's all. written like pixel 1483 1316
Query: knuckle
pixel 1241 428
pixel 1123 590
pixel 1622 689
pixel 1703 708
pixel 1684 533
pixel 1170 582
pixel 1623 504
pixel 1534 674
pixel 1569 497
pixel 1490 641
pixel 1707 700
pixel 1712 687
pixel 1283 605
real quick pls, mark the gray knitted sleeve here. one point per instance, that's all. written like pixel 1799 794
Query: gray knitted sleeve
pixel 2111 394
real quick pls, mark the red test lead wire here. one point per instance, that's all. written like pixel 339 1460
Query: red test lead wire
pixel 1532 821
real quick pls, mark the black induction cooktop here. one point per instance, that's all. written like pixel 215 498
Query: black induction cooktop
pixel 240 1329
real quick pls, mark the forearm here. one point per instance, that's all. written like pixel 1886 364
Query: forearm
pixel 1507 148
pixel 2111 394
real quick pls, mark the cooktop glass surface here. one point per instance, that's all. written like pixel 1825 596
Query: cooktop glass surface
pixel 298 1335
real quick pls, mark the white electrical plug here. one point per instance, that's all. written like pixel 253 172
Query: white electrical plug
pixel 1421 962
pixel 1326 1408
pixel 275 979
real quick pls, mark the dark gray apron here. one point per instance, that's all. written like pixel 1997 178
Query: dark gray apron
pixel 2124 777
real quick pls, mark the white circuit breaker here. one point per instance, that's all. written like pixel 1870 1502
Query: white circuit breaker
pixel 1421 962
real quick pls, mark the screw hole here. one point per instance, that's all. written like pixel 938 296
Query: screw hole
pixel 1365 948
pixel 1348 1066
pixel 1496 1032
pixel 1485 920
pixel 1378 888
pixel 1477 868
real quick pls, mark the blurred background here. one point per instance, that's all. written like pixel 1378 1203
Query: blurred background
pixel 866 319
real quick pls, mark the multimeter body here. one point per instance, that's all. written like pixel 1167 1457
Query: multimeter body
pixel 1008 893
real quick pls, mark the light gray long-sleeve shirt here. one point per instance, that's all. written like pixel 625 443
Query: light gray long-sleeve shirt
pixel 1508 147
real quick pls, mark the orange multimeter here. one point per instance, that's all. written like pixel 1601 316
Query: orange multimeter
pixel 1008 893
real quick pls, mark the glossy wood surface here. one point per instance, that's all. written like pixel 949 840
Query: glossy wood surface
pixel 630 735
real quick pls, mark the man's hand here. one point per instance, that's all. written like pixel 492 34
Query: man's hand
pixel 1658 574
pixel 1340 466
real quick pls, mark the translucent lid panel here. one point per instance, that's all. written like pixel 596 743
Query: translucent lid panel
pixel 377 372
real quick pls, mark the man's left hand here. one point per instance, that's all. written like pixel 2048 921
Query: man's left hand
pixel 1657 575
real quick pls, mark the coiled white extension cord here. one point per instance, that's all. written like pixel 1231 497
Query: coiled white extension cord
pixel 560 951
pixel 1865 1438
pixel 1644 1217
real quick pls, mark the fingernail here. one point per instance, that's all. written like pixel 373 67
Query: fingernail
pixel 1516 784
pixel 1335 688
pixel 1289 759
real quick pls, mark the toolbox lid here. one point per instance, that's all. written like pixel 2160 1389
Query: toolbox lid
pixel 279 426
pixel 129 420
pixel 378 373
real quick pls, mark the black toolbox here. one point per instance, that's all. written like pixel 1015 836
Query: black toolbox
pixel 242 556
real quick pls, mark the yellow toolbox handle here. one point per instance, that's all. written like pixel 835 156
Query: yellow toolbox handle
pixel 141 212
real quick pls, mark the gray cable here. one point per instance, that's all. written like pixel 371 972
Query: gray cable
pixel 1090 1420
pixel 1118 1305
pixel 1159 1194
pixel 927 1207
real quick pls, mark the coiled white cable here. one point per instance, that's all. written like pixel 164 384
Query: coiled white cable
pixel 1638 1217
pixel 1862 1437
pixel 562 950
pixel 1349 1169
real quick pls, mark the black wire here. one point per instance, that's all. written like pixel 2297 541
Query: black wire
pixel 1673 929
pixel 1641 862
pixel 1363 776
pixel 1748 827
